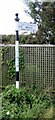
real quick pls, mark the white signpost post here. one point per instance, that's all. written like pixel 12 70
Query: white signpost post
pixel 24 27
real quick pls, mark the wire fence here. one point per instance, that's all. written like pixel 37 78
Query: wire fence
pixel 37 63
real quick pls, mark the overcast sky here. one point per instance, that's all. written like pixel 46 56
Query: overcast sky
pixel 8 8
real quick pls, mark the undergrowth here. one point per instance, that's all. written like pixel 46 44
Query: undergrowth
pixel 22 104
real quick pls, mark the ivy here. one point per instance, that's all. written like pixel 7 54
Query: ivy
pixel 10 63
pixel 11 69
pixel 3 52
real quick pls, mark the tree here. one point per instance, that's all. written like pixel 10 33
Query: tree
pixel 47 25
pixel 44 15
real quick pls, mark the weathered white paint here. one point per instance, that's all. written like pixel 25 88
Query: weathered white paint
pixel 17 84
pixel 17 56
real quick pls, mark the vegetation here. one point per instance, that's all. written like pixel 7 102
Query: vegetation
pixel 43 14
pixel 9 63
pixel 8 39
pixel 11 69
pixel 22 103
pixel 23 39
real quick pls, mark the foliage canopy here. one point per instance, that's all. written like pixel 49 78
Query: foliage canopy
pixel 43 14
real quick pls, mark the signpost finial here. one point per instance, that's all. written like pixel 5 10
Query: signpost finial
pixel 17 19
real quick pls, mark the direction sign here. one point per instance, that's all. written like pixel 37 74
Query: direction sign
pixel 26 26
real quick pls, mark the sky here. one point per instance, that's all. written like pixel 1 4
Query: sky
pixel 8 9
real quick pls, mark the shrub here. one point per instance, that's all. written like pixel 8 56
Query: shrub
pixel 20 103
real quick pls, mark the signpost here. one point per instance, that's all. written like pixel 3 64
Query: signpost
pixel 26 27
pixel 17 54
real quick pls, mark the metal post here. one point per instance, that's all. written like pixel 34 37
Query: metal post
pixel 17 53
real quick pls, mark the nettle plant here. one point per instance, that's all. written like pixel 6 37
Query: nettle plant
pixel 21 104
